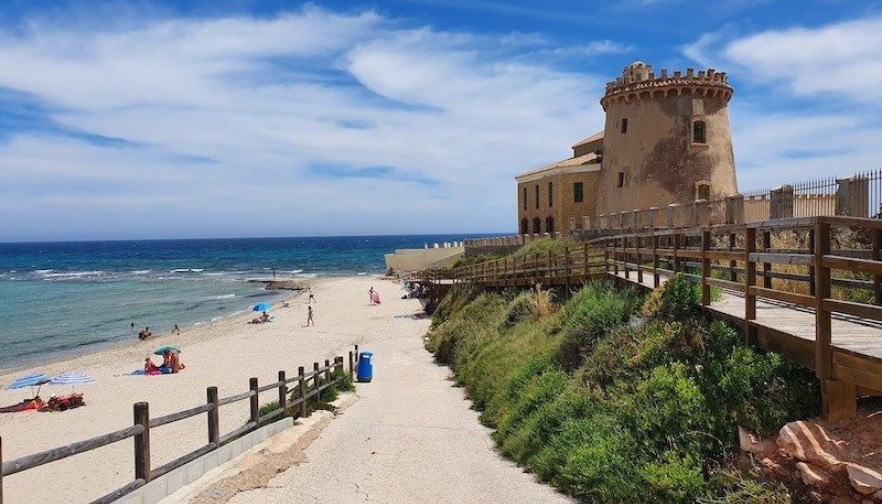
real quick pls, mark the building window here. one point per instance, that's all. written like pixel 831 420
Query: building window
pixel 537 197
pixel 525 226
pixel 524 194
pixel 536 225
pixel 621 179
pixel 699 132
pixel 549 224
pixel 702 191
pixel 578 194
pixel 624 125
pixel 550 194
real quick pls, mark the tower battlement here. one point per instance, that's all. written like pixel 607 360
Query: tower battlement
pixel 638 80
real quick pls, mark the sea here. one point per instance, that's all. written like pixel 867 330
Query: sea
pixel 63 299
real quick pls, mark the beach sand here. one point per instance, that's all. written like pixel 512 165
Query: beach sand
pixel 224 354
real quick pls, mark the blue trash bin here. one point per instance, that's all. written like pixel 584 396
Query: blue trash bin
pixel 365 366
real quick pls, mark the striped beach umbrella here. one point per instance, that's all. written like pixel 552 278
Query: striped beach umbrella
pixel 71 378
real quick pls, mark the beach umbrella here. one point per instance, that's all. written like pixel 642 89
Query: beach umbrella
pixel 71 378
pixel 263 306
pixel 31 380
pixel 167 348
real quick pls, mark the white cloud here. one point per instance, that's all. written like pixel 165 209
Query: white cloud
pixel 226 119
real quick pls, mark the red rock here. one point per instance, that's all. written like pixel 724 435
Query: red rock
pixel 752 443
pixel 812 475
pixel 865 480
pixel 809 442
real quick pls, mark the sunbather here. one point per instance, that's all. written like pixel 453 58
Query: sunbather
pixel 27 404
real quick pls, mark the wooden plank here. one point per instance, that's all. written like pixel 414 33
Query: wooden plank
pixel 791 347
pixel 849 359
pixel 235 398
pixel 725 284
pixel 787 297
pixel 823 330
pixel 180 415
pixel 118 493
pixel 47 456
pixel 852 264
pixel 772 258
pixel 178 462
pixel 872 312
pixel 725 255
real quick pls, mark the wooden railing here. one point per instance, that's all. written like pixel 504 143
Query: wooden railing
pixel 320 378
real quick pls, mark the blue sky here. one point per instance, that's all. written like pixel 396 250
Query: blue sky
pixel 267 118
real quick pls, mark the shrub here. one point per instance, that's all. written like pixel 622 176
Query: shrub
pixel 593 312
pixel 520 309
pixel 676 299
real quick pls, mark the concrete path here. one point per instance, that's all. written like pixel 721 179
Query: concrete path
pixel 410 437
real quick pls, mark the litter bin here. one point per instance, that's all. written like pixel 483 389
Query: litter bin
pixel 365 366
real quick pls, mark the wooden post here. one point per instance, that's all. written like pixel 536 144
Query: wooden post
pixel 767 267
pixel 301 375
pixel 749 282
pixel 213 416
pixel 549 270
pixel 705 268
pixel 283 394
pixel 811 270
pixel 327 371
pixel 823 336
pixel 615 255
pixel 254 402
pixel 639 239
pixel 316 382
pixel 567 268
pixel 351 366
pixel 733 276
pixel 656 279
pixel 585 272
pixel 356 354
pixel 877 255
pixel 625 243
pixel 142 442
pixel 676 240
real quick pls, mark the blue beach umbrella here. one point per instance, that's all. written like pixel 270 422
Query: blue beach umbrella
pixel 71 378
pixel 167 348
pixel 264 306
pixel 31 380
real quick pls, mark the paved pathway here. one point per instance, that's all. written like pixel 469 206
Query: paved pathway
pixel 411 437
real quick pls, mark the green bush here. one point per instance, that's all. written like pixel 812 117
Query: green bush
pixel 521 308
pixel 592 312
pixel 676 299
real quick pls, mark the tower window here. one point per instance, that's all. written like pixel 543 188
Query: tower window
pixel 702 191
pixel 549 224
pixel 524 193
pixel 699 132
pixel 537 197
pixel 550 194
pixel 624 125
pixel 536 225
pixel 578 192
pixel 621 179
pixel 525 226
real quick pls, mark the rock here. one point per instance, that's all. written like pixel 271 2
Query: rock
pixel 809 442
pixel 812 475
pixel 864 479
pixel 775 467
pixel 752 443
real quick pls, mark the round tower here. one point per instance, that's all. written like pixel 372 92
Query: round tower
pixel 666 139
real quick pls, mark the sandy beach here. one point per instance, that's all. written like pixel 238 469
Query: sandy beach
pixel 224 354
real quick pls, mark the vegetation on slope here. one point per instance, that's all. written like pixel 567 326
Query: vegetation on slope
pixel 614 404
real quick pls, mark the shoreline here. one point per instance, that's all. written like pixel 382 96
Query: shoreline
pixel 283 293
pixel 225 354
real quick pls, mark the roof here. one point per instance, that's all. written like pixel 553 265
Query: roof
pixel 592 138
pixel 568 165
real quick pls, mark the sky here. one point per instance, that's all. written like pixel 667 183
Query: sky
pixel 245 118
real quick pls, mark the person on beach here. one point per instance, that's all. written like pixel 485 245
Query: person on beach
pixel 371 295
pixel 311 296
pixel 150 368
pixel 309 320
pixel 143 335
pixel 176 330
pixel 264 317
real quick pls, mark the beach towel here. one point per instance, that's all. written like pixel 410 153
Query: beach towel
pixel 375 297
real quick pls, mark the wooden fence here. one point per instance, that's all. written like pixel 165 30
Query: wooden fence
pixel 320 379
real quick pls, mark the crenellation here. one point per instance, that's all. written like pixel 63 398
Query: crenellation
pixel 664 74
pixel 677 74
pixel 639 81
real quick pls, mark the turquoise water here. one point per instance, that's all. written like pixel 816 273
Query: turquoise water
pixel 73 297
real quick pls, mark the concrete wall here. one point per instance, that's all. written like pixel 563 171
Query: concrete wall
pixel 404 260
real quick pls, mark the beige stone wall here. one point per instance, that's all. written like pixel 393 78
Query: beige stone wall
pixel 407 260
pixel 563 206
pixel 661 164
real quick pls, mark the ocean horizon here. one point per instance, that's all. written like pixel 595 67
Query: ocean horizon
pixel 68 298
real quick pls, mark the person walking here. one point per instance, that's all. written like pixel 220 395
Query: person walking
pixel 311 296
pixel 309 320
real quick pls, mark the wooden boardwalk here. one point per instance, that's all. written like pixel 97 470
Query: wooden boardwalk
pixel 807 288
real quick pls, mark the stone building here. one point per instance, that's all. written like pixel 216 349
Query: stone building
pixel 666 139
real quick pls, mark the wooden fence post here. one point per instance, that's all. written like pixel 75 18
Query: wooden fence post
pixel 585 271
pixel 142 442
pixel 705 268
pixel 567 268
pixel 676 241
pixel 625 256
pixel 877 255
pixel 327 371
pixel 823 350
pixel 733 276
pixel 351 366
pixel 316 382
pixel 656 279
pixel 213 417
pixel 255 402
pixel 749 282
pixel 549 270
pixel 767 267
pixel 301 374
pixel 283 394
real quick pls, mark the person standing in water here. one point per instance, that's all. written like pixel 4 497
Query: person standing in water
pixel 309 320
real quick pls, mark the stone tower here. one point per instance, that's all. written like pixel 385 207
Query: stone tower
pixel 666 139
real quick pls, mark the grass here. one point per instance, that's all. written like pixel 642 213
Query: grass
pixel 615 398
pixel 329 395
